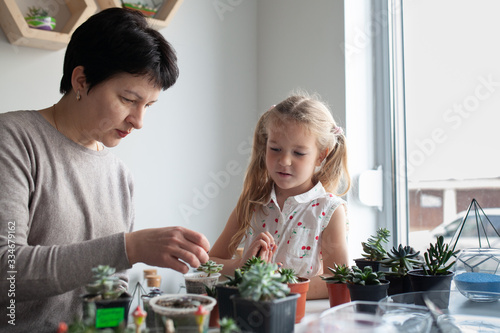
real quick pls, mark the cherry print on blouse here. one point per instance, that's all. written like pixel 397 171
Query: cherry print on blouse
pixel 306 250
pixel 315 203
pixel 301 225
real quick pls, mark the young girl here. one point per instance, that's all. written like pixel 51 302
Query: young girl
pixel 289 211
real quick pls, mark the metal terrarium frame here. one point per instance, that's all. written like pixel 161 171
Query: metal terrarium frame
pixel 481 220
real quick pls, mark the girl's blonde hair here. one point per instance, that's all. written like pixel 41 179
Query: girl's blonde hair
pixel 317 119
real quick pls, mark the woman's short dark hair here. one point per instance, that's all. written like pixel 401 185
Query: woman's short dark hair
pixel 118 40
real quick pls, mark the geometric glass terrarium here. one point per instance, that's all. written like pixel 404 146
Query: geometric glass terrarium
pixel 476 226
pixel 477 274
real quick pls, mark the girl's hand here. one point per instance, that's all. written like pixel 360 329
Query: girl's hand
pixel 263 246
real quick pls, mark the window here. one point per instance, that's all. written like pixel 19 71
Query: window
pixel 450 59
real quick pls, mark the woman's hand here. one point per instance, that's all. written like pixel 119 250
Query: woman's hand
pixel 166 247
pixel 263 246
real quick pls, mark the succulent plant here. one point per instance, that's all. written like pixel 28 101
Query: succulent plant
pixel 234 281
pixel 401 260
pixel 373 248
pixel 210 267
pixel 228 325
pixel 37 11
pixel 364 277
pixel 104 283
pixel 262 282
pixel 289 275
pixel 340 273
pixel 437 257
pixel 250 262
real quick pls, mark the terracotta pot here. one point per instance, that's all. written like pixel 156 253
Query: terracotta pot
pixel 214 317
pixel 338 293
pixel 300 288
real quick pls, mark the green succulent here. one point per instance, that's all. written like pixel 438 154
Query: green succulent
pixel 250 262
pixel 373 248
pixel 228 325
pixel 364 277
pixel 340 273
pixel 437 257
pixel 210 267
pixel 262 282
pixel 289 275
pixel 234 281
pixel 401 260
pixel 105 283
pixel 37 11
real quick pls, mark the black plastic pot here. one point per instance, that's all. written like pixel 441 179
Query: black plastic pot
pixel 372 293
pixel 223 300
pixel 421 282
pixel 375 265
pixel 276 316
pixel 106 313
pixel 398 284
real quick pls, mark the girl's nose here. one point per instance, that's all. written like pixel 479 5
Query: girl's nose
pixel 285 160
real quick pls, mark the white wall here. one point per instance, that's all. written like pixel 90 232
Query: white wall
pixel 236 58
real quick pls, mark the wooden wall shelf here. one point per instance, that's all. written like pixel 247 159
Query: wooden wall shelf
pixel 162 17
pixel 19 33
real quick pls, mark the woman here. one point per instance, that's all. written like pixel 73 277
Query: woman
pixel 66 203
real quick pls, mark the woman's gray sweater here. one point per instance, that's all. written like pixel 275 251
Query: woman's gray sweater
pixel 63 210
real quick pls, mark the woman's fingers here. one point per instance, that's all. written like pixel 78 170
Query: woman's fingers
pixel 165 247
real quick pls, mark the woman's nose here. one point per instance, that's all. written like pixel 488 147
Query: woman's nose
pixel 136 117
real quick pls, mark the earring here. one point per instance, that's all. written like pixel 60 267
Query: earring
pixel 78 97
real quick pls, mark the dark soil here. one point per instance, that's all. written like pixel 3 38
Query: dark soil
pixel 183 303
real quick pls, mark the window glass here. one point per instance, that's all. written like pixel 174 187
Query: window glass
pixel 452 100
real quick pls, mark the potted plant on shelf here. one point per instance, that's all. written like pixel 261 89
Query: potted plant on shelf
pixel 264 303
pixel 435 274
pixel 206 274
pixel 373 250
pixel 145 9
pixel 106 303
pixel 400 261
pixel 188 312
pixel 39 18
pixel 297 285
pixel 338 293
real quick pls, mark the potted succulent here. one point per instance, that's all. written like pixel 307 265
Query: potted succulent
pixel 338 293
pixel 400 261
pixel 228 288
pixel 264 303
pixel 39 18
pixel 297 285
pixel 373 250
pixel 435 274
pixel 106 303
pixel 188 312
pixel 366 284
pixel 206 274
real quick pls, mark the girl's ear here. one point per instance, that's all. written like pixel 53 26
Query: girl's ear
pixel 78 79
pixel 322 156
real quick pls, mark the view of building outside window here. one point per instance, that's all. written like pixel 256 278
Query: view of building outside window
pixel 452 92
